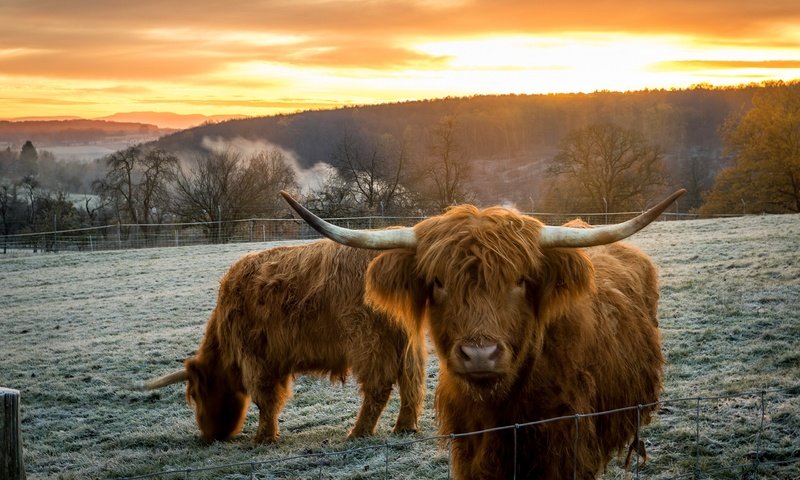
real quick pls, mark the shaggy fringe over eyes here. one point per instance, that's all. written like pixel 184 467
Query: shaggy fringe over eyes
pixel 467 248
pixel 492 247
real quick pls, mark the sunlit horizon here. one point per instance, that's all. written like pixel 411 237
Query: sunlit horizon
pixel 304 58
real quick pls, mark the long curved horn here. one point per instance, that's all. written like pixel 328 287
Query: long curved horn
pixel 373 239
pixel 590 237
pixel 160 382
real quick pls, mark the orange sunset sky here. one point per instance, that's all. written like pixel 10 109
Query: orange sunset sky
pixel 92 58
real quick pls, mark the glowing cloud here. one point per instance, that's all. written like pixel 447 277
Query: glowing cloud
pixel 93 58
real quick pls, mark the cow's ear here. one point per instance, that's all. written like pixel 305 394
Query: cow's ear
pixel 394 288
pixel 565 275
pixel 196 380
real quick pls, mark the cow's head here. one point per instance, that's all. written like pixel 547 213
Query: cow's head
pixel 219 399
pixel 487 282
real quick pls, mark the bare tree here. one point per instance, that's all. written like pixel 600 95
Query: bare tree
pixel 54 212
pixel 92 208
pixel 608 168
pixel 447 167
pixel 136 184
pixel 223 186
pixel 8 195
pixel 30 185
pixel 695 172
pixel 9 209
pixel 334 199
pixel 272 173
pixel 159 169
pixel 372 175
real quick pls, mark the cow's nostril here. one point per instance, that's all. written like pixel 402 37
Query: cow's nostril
pixel 495 352
pixel 478 353
pixel 464 352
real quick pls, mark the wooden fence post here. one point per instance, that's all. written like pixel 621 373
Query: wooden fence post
pixel 11 466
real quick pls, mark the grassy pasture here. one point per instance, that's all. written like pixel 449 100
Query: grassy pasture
pixel 73 326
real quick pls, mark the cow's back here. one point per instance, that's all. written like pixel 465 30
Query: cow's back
pixel 614 361
pixel 627 358
pixel 299 308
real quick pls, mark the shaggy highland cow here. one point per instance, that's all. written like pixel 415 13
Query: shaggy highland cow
pixel 297 310
pixel 529 324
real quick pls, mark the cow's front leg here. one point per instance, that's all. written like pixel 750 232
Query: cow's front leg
pixel 270 397
pixel 411 382
pixel 408 416
pixel 374 401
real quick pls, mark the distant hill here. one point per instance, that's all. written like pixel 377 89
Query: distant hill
pixel 169 120
pixel 42 119
pixel 77 139
pixel 55 127
pixel 80 139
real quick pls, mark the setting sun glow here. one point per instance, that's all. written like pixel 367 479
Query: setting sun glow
pixel 86 59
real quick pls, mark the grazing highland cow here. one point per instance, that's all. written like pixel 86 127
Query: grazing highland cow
pixel 293 310
pixel 528 325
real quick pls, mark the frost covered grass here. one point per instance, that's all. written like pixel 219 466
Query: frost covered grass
pixel 77 326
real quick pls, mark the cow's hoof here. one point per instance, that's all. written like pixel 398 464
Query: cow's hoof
pixel 358 434
pixel 405 429
pixel 264 439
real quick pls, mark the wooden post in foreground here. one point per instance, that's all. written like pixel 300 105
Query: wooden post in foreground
pixel 11 466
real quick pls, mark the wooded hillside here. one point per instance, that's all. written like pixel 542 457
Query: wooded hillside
pixel 508 139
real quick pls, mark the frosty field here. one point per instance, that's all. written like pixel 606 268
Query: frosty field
pixel 76 326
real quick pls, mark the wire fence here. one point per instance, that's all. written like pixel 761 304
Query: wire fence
pixel 690 438
pixel 132 236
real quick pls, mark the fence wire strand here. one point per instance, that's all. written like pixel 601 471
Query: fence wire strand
pixel 122 236
pixel 744 469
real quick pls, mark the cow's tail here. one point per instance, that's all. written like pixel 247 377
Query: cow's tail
pixel 411 382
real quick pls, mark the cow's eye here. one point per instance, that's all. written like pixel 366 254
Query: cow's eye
pixel 438 291
pixel 519 287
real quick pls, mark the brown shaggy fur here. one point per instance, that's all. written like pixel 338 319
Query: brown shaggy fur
pixel 295 310
pixel 576 331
